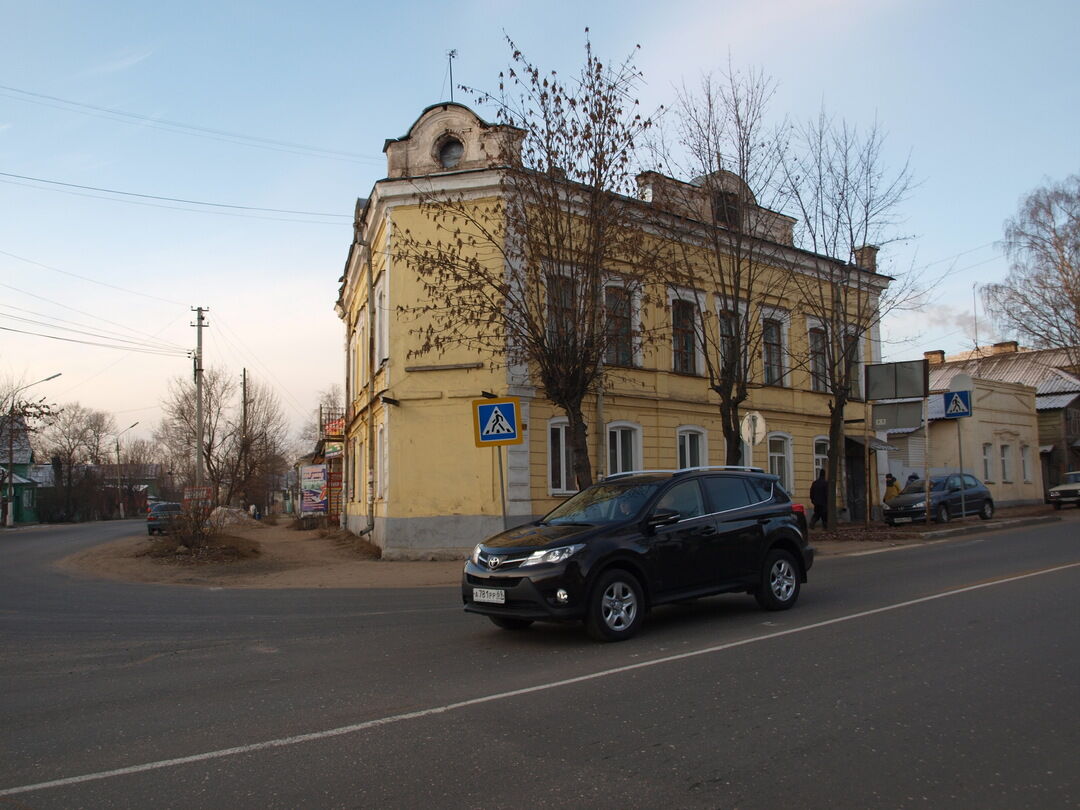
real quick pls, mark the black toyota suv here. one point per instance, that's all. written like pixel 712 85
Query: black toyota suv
pixel 635 540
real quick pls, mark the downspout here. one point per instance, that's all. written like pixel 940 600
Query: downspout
pixel 371 395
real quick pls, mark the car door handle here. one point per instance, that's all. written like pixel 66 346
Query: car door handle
pixel 707 531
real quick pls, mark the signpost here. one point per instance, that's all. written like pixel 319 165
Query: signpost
pixel 957 404
pixel 497 421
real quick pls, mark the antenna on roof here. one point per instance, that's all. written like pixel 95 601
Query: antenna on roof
pixel 451 55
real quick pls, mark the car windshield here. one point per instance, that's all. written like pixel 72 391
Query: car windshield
pixel 919 485
pixel 167 507
pixel 1072 478
pixel 603 503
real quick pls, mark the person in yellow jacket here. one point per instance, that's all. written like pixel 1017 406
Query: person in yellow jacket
pixel 892 488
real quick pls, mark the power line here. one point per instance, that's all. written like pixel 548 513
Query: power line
pixel 132 343
pixel 293 401
pixel 84 278
pixel 179 127
pixel 160 343
pixel 92 343
pixel 174 199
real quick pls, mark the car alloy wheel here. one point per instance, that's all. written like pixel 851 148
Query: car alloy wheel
pixel 943 514
pixel 987 510
pixel 779 588
pixel 616 607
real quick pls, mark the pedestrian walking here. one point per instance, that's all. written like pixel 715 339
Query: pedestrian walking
pixel 819 497
pixel 892 488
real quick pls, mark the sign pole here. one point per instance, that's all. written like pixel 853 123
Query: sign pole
pixel 502 485
pixel 960 449
pixel 926 455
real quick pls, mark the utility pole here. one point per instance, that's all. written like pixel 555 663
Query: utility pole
pixel 244 430
pixel 199 324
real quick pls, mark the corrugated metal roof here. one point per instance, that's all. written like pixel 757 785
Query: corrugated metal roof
pixel 1051 402
pixel 1028 366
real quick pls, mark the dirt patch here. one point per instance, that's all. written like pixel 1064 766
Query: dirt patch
pixel 262 557
pixel 219 549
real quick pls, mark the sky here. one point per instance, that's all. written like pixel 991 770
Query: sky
pixel 285 106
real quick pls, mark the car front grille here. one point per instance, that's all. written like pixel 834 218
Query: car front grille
pixel 492 582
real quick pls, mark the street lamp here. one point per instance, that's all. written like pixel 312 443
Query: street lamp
pixel 11 449
pixel 119 492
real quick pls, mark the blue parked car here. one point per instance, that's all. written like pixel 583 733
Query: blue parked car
pixel 946 494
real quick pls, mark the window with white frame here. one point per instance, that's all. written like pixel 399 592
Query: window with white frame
pixel 360 352
pixel 624 447
pixel 619 325
pixel 382 462
pixel 774 341
pixel 988 462
pixel 692 450
pixel 819 369
pixel 1025 462
pixel 684 336
pixel 855 364
pixel 560 465
pixel 382 323
pixel 821 455
pixel 780 458
pixel 561 326
pixel 1006 463
pixel 728 324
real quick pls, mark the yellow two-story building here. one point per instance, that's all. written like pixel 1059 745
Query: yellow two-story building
pixel 416 483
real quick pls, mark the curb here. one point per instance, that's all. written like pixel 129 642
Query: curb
pixel 990 525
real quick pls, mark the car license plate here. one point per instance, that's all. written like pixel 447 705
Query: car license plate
pixel 902 520
pixel 489 595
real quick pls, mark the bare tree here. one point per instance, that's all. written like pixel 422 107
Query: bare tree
pixel 522 280
pixel 729 239
pixel 848 205
pixel 75 438
pixel 236 451
pixel 1039 301
pixel 331 400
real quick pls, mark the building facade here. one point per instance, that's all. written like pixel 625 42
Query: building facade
pixel 414 480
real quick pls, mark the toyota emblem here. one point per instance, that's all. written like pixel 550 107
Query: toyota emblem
pixel 494 561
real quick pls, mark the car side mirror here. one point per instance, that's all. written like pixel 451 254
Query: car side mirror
pixel 662 517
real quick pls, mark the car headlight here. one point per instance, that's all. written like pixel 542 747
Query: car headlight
pixel 919 505
pixel 475 556
pixel 553 555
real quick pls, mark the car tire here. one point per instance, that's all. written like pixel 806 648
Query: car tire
pixel 510 624
pixel 942 515
pixel 616 606
pixel 780 581
pixel 987 510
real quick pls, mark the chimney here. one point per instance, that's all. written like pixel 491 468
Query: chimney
pixel 1005 347
pixel 866 257
pixel 935 358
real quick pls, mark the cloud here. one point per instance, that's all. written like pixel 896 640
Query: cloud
pixel 124 62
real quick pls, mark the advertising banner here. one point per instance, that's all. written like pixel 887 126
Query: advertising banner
pixel 313 490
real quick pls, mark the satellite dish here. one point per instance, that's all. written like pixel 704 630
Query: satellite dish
pixel 752 429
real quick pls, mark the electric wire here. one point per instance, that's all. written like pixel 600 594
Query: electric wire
pixel 161 344
pixel 84 278
pixel 144 204
pixel 293 402
pixel 92 343
pixel 97 335
pixel 173 199
pixel 178 127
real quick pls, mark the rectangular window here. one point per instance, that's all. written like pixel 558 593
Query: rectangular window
pixel 559 462
pixel 689 449
pixel 821 456
pixel 726 209
pixel 617 306
pixel 778 465
pixel 772 337
pixel 988 462
pixel 620 450
pixel 1006 463
pixel 728 344
pixel 684 355
pixel 381 325
pixel 560 301
pixel 854 367
pixel 818 360
pixel 1025 462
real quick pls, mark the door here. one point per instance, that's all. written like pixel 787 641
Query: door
pixel 735 552
pixel 680 552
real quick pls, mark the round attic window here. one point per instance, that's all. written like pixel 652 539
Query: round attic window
pixel 450 152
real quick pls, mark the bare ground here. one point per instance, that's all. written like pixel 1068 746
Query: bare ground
pixel 283 558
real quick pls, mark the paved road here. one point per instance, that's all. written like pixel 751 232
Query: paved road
pixel 944 675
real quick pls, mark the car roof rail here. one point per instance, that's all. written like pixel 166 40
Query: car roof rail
pixel 635 472
pixel 735 467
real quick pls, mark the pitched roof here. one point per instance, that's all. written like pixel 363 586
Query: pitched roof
pixel 1026 366
pixel 20 441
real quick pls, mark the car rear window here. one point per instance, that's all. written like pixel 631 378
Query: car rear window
pixel 727 492
pixel 166 507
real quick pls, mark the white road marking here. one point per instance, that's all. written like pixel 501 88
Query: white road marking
pixel 297 739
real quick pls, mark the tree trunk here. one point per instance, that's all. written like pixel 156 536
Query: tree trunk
pixel 579 445
pixel 729 422
pixel 836 450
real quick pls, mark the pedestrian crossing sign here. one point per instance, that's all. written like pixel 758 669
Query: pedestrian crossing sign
pixel 957 404
pixel 497 421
